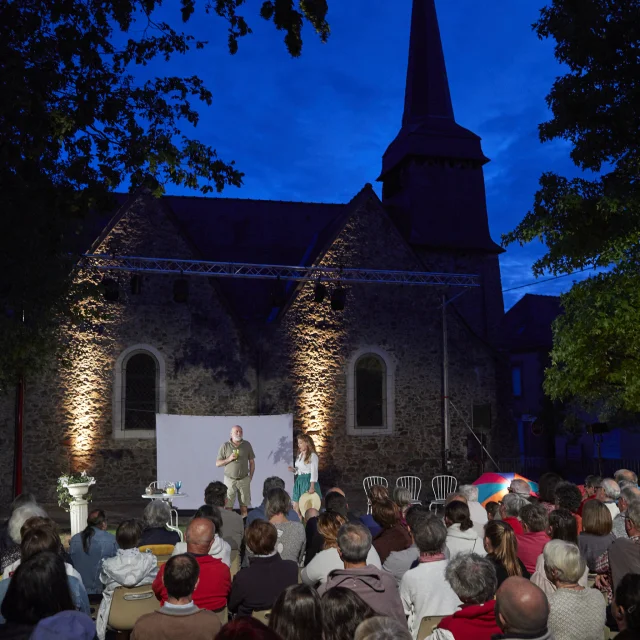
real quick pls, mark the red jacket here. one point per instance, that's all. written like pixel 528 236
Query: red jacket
pixel 530 546
pixel 472 622
pixel 213 586
pixel 515 524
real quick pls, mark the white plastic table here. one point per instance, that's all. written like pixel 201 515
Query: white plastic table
pixel 167 497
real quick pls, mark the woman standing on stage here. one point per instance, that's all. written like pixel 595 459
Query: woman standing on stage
pixel 306 470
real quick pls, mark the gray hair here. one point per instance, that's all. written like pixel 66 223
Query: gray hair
pixel 278 502
pixel 469 491
pixel 456 495
pixel 20 516
pixel 611 488
pixel 430 534
pixel 633 512
pixel 521 487
pixel 563 562
pixel 512 504
pixel 354 542
pixel 402 497
pixel 629 493
pixel 156 514
pixel 273 482
pixel 535 516
pixel 625 475
pixel 379 628
pixel 472 578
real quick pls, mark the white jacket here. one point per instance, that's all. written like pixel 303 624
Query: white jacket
pixel 219 549
pixel 128 568
pixel 464 541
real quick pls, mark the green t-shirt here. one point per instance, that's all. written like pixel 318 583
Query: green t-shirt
pixel 239 468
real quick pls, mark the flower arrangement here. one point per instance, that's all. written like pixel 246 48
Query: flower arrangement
pixel 64 497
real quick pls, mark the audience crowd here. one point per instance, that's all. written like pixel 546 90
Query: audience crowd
pixel 563 564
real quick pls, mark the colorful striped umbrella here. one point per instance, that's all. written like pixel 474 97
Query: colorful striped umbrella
pixel 492 487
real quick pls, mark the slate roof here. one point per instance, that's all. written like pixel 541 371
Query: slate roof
pixel 527 325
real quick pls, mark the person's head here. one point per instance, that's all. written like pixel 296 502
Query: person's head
pixel 469 491
pixel 626 603
pixel 261 537
pixel 534 518
pixel 248 628
pixel 627 494
pixel 213 514
pixel 632 521
pixel 626 475
pixel 128 534
pixel 38 522
pixel 568 496
pixel 236 434
pixel 493 510
pixel 329 524
pixel 354 543
pixel 20 500
pixel 377 492
pixel 156 514
pixel 596 518
pixel 379 628
pixel 343 610
pixel 386 513
pixel 216 494
pixel 38 589
pixel 512 504
pixel 521 608
pixel 20 516
pixel 414 513
pixel 430 535
pixel 563 563
pixel 472 578
pixel 500 542
pixel 306 446
pixel 402 497
pixel 310 513
pixel 272 482
pixel 278 503
pixel 36 541
pixel 199 536
pixel 337 490
pixel 297 613
pixel 97 519
pixel 520 487
pixel 457 512
pixel 547 487
pixel 609 491
pixel 563 526
pixel 591 485
pixel 335 501
pixel 460 497
pixel 181 575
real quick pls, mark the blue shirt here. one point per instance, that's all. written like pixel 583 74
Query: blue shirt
pixel 259 514
pixel 102 545
pixel 78 593
pixel 371 524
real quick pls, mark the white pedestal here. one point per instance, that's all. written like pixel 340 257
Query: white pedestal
pixel 78 507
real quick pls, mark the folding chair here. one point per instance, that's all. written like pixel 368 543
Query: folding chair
pixel 442 486
pixel 427 625
pixel 129 604
pixel 414 484
pixel 369 482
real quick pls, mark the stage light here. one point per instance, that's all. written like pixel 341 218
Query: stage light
pixel 110 290
pixel 181 291
pixel 338 298
pixel 136 284
pixel 319 292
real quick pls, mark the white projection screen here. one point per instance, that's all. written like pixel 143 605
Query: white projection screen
pixel 187 447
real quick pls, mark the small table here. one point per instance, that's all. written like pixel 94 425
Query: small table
pixel 167 497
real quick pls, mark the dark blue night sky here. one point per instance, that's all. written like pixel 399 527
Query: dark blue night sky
pixel 315 128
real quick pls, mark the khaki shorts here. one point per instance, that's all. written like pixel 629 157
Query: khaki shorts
pixel 242 487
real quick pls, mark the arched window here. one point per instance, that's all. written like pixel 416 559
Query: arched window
pixel 370 393
pixel 139 392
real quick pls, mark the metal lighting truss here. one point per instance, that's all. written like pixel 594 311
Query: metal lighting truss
pixel 138 264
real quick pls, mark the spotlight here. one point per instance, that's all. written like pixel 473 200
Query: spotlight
pixel 319 292
pixel 110 290
pixel 136 284
pixel 338 298
pixel 181 290
pixel 278 294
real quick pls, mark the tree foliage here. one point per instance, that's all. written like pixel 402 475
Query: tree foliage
pixel 77 122
pixel 593 221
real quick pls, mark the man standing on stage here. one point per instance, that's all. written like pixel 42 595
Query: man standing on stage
pixel 237 457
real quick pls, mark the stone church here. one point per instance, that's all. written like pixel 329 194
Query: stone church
pixel 365 381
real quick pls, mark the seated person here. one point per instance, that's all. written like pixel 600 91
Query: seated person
pixel 399 562
pixel 19 516
pixel 522 610
pixel 510 508
pixel 19 501
pixel 394 535
pixel 334 502
pixel 461 535
pixel 156 515
pixel 215 495
pixel 128 568
pixel 39 541
pixel 179 617
pixel 377 493
pixel 215 578
pixel 257 587
pixel 219 549
pixel 272 482
pixel 90 547
pixel 535 522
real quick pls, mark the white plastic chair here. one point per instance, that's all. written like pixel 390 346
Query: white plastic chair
pixel 174 527
pixel 414 484
pixel 442 486
pixel 369 482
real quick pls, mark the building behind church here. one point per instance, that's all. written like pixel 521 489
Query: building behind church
pixel 365 382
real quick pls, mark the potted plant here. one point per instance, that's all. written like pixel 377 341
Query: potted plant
pixel 73 486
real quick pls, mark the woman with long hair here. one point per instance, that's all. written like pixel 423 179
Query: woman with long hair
pixel 461 536
pixel 596 535
pixel 306 470
pixel 502 550
pixel 343 610
pixel 394 535
pixel 297 614
pixel 377 493
pixel 562 526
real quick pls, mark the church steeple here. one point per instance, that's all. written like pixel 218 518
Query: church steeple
pixel 433 182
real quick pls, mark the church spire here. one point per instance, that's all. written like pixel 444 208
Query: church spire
pixel 427 91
